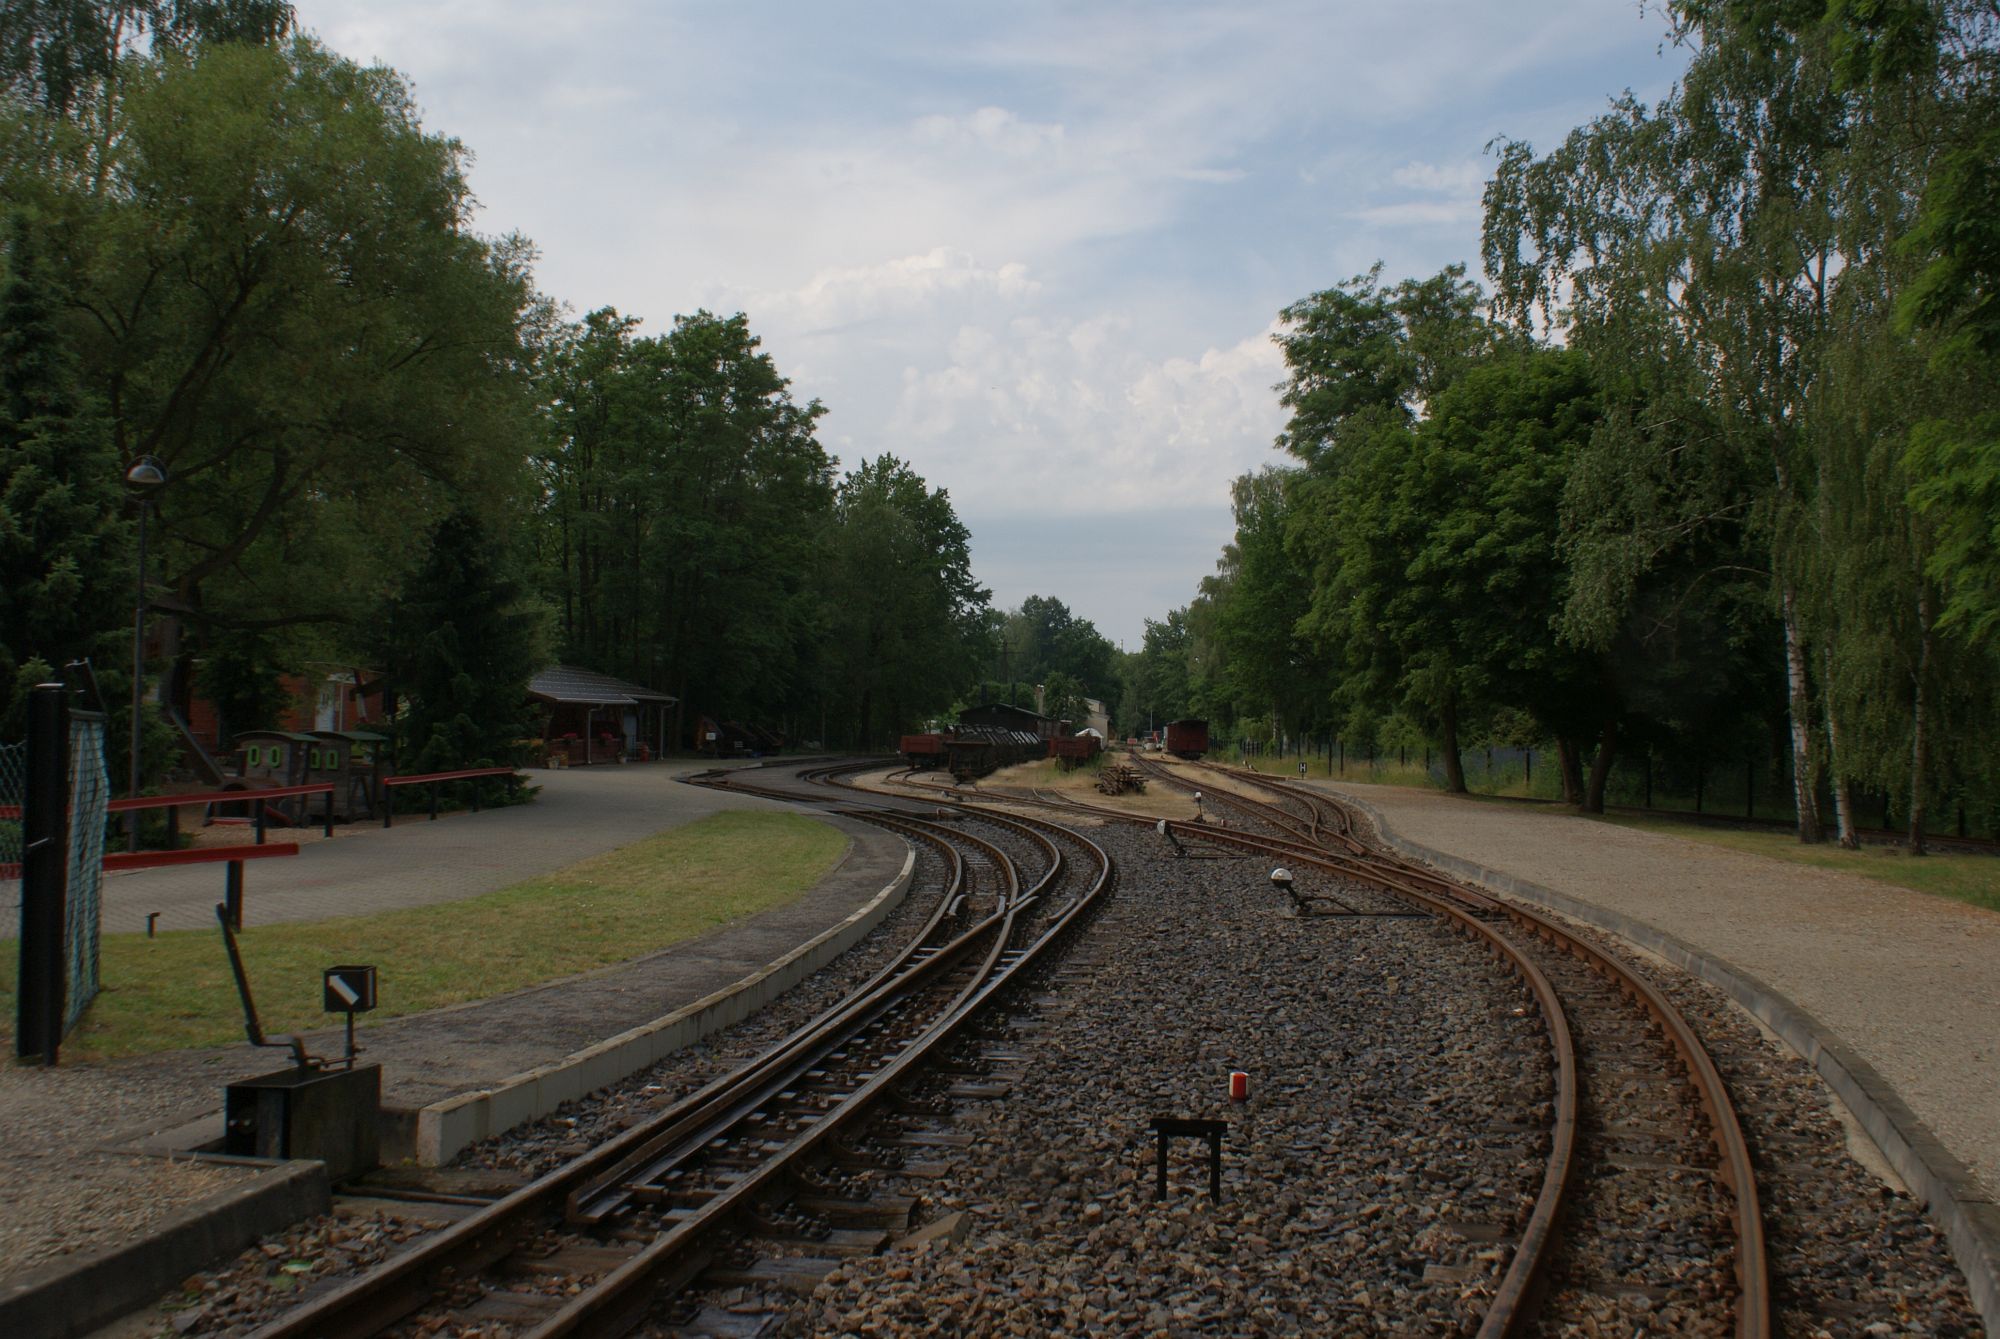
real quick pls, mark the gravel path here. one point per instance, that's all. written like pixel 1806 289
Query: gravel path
pixel 580 812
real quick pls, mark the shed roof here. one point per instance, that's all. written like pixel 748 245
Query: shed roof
pixel 567 683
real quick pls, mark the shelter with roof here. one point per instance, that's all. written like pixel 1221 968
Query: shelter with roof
pixel 596 717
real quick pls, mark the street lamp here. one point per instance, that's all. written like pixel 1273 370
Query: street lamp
pixel 143 478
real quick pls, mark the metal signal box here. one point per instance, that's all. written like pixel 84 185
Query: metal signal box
pixel 332 1115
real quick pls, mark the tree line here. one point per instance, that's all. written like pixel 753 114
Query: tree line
pixel 229 248
pixel 1710 470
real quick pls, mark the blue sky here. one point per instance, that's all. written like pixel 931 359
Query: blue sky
pixel 1035 249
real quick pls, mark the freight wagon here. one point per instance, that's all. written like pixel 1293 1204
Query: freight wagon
pixel 1187 739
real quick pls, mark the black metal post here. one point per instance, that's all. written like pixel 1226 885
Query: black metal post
pixel 138 683
pixel 232 893
pixel 434 801
pixel 260 822
pixel 326 828
pixel 475 794
pixel 44 875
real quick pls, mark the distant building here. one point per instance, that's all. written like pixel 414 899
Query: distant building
pixel 1009 718
pixel 597 718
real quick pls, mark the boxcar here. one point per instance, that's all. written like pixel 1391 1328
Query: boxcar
pixel 1074 750
pixel 1187 739
pixel 922 750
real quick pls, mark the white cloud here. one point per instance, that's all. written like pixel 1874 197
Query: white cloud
pixel 1030 249
pixel 907 284
pixel 1054 416
pixel 993 128
pixel 1421 213
pixel 1464 177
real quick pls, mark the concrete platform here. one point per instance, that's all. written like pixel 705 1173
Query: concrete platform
pixel 1893 995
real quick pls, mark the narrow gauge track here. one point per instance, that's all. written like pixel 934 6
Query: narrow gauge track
pixel 1628 1174
pixel 1646 1154
pixel 604 1239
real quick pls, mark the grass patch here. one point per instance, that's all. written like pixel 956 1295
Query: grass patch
pixel 174 991
pixel 1970 878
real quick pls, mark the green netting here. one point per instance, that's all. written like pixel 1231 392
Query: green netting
pixel 89 789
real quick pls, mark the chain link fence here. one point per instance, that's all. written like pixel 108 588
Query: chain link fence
pixel 89 790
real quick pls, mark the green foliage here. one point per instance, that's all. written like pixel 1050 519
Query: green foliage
pixel 243 679
pixel 65 558
pixel 458 645
pixel 905 619
pixel 289 309
pixel 1062 700
pixel 681 490
pixel 1043 637
pixel 1159 677
pixel 61 54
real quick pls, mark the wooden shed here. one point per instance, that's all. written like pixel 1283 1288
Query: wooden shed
pixel 596 718
pixel 355 761
pixel 273 757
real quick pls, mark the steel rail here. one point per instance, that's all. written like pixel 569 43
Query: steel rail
pixel 1733 1164
pixel 623 1295
pixel 368 1302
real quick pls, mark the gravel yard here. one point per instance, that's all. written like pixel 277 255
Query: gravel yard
pixel 57 1199
pixel 1361 1177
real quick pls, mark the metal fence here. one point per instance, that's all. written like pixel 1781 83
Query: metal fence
pixel 89 790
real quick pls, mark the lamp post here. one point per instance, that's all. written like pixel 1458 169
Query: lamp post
pixel 143 478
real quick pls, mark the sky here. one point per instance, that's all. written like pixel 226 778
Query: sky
pixel 1036 250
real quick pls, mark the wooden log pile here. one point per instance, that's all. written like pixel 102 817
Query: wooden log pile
pixel 1119 778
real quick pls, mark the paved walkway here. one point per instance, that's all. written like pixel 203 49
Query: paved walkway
pixel 1907 982
pixel 581 812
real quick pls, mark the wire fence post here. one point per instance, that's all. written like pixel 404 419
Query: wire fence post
pixel 44 875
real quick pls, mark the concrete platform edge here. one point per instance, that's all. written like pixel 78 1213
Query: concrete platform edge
pixel 1969 1218
pixel 74 1296
pixel 446 1127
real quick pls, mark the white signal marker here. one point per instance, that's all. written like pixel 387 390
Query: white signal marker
pixel 342 989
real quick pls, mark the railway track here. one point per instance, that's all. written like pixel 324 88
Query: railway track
pixel 1648 1197
pixel 603 1241
pixel 1643 1133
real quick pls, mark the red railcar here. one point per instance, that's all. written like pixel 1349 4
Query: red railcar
pixel 1074 749
pixel 922 750
pixel 1187 739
